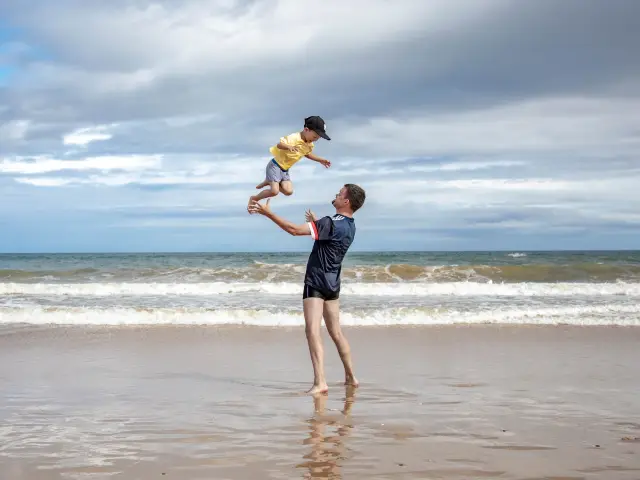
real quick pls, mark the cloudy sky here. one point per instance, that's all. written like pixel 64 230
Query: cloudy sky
pixel 140 125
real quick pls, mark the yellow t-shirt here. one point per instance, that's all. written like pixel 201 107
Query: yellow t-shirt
pixel 287 159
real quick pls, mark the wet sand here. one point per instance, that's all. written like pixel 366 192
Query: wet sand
pixel 224 403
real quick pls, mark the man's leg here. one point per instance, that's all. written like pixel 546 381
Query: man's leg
pixel 312 308
pixel 332 320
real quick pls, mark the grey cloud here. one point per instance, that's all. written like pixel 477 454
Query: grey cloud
pixel 541 47
pixel 515 51
pixel 178 213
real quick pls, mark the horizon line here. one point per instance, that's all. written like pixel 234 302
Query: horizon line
pixel 274 252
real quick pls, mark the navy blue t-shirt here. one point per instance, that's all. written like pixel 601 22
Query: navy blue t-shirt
pixel 333 237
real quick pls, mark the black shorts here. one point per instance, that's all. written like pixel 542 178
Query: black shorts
pixel 310 292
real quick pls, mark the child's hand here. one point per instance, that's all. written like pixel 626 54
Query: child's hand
pixel 326 163
pixel 309 216
pixel 294 149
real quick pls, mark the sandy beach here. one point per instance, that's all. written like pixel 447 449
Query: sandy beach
pixel 456 402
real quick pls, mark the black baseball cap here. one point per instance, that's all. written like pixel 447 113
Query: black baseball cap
pixel 316 124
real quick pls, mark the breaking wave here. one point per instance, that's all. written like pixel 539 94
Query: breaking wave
pixel 391 273
pixel 621 315
pixel 361 289
pixel 512 288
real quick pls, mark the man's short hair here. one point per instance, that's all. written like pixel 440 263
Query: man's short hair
pixel 356 196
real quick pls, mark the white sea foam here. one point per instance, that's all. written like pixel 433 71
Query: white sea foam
pixel 361 289
pixel 621 315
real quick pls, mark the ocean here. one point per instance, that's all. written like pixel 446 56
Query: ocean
pixel 264 289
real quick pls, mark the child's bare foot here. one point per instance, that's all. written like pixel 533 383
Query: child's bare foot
pixel 252 199
pixel 262 185
pixel 352 381
pixel 318 389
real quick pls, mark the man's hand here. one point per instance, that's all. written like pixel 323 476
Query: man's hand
pixel 309 216
pixel 286 225
pixel 257 207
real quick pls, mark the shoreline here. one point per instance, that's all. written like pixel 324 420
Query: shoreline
pixel 88 328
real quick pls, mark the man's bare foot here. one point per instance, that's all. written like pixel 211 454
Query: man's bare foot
pixel 352 381
pixel 318 389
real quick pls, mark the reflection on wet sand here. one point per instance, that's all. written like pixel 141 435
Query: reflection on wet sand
pixel 327 453
pixel 455 403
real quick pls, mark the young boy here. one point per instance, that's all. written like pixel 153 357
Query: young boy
pixel 288 152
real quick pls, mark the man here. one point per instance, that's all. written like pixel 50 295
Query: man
pixel 333 237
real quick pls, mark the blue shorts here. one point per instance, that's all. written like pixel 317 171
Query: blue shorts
pixel 275 173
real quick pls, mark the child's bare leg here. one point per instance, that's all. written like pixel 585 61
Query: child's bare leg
pixel 286 187
pixel 266 193
pixel 263 184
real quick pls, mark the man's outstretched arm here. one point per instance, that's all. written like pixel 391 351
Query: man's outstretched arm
pixel 286 225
